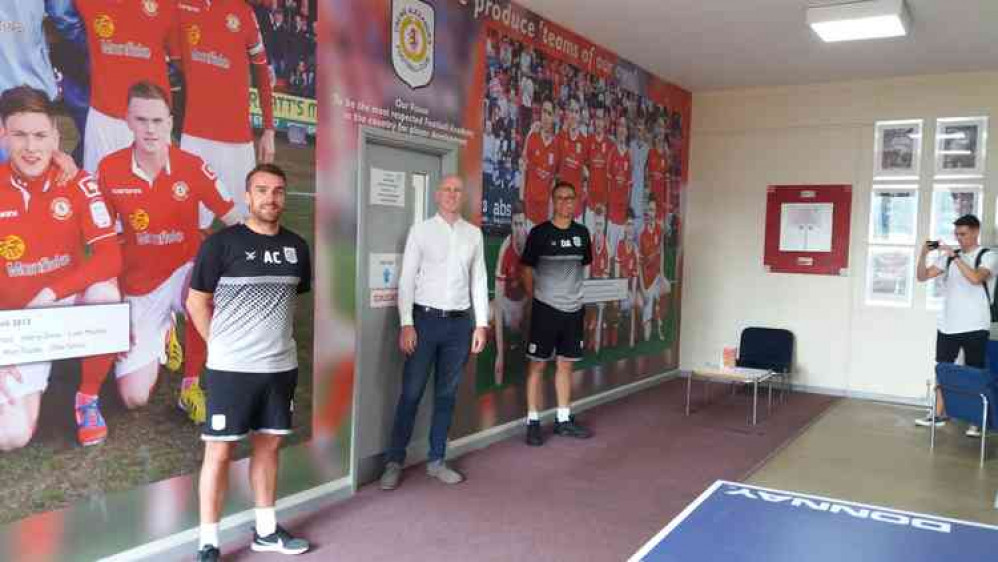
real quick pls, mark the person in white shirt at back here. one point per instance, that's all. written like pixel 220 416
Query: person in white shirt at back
pixel 965 320
pixel 443 278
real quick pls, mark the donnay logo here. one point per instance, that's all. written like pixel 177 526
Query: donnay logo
pixel 413 41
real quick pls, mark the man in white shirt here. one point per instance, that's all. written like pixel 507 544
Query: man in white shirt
pixel 965 320
pixel 443 277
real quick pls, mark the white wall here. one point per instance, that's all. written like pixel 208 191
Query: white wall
pixel 745 140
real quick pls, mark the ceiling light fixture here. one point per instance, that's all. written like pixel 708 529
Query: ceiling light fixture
pixel 865 19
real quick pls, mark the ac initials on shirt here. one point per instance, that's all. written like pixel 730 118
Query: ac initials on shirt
pixel 273 257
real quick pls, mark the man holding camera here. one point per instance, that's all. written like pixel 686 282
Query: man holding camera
pixel 965 320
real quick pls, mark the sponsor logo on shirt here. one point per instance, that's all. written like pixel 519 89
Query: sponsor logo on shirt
pixel 130 50
pixel 139 220
pixel 150 7
pixel 163 238
pixel 181 191
pixel 290 254
pixel 232 23
pixel 211 58
pixel 104 26
pixel 12 247
pixel 61 208
pixel 11 214
pixel 126 190
pixel 194 34
pixel 40 267
pixel 250 256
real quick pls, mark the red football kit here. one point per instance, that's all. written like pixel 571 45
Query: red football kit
pixel 619 175
pixel 657 176
pixel 650 245
pixel 159 220
pixel 600 268
pixel 541 163
pixel 597 159
pixel 43 230
pixel 510 271
pixel 128 41
pixel 627 260
pixel 573 158
pixel 219 42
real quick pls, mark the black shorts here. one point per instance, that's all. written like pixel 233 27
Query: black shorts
pixel 554 332
pixel 974 344
pixel 242 402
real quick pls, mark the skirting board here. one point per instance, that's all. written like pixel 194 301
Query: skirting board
pixel 233 527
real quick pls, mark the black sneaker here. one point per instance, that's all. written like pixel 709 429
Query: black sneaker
pixel 571 428
pixel 280 541
pixel 208 554
pixel 534 437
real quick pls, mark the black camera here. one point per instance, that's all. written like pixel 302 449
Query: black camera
pixel 932 244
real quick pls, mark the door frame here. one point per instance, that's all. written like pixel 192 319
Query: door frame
pixel 448 153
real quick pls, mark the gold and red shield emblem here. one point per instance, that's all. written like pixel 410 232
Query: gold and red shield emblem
pixel 61 208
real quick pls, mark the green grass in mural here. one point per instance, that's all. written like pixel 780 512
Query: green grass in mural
pixel 154 442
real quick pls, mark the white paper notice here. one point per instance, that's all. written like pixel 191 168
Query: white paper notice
pixel 806 227
pixel 387 188
pixel 46 334
pixel 383 279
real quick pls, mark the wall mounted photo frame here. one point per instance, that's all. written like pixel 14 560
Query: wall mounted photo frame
pixel 890 276
pixel 961 147
pixel 893 214
pixel 897 149
pixel 807 229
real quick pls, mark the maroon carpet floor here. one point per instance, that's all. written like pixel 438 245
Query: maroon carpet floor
pixel 595 500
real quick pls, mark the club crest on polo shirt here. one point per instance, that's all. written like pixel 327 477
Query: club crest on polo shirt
pixel 150 7
pixel 104 26
pixel 61 208
pixel 577 241
pixel 194 34
pixel 232 23
pixel 12 247
pixel 290 254
pixel 181 190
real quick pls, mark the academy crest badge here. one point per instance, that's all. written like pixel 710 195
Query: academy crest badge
pixel 413 41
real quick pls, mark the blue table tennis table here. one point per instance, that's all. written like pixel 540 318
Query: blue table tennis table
pixel 732 522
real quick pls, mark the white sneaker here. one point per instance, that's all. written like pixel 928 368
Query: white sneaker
pixel 973 431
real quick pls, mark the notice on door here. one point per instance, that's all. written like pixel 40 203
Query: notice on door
pixel 46 334
pixel 383 279
pixel 387 188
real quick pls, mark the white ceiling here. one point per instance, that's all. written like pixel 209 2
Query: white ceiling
pixel 706 45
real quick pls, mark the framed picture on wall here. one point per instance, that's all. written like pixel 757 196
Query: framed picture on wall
pixel 950 202
pixel 961 146
pixel 897 149
pixel 893 214
pixel 889 275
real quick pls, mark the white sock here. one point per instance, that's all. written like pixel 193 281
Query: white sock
pixel 533 415
pixel 208 535
pixel 563 414
pixel 266 521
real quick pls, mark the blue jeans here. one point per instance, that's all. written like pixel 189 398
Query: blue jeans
pixel 444 344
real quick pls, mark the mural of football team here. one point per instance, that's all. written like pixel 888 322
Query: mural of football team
pixel 107 188
pixel 547 121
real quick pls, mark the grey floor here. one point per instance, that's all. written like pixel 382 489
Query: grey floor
pixel 871 452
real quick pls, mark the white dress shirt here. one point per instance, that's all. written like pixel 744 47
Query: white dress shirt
pixel 444 267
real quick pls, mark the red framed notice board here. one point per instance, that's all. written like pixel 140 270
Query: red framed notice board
pixel 807 229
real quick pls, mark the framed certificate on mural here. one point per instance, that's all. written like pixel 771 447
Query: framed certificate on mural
pixel 897 149
pixel 807 229
pixel 961 146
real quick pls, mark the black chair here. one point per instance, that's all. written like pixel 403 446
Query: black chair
pixel 767 348
pixel 970 395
